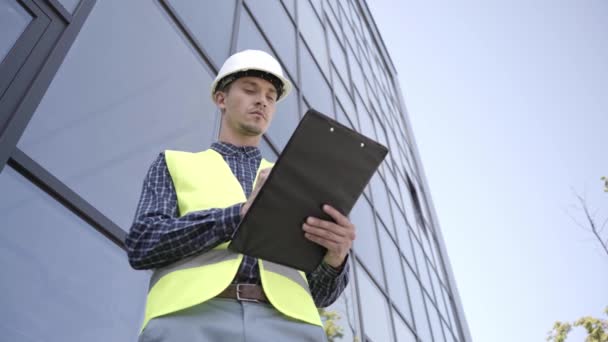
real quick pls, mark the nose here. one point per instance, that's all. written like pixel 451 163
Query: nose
pixel 262 100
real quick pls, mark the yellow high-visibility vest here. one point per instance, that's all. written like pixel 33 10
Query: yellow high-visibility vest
pixel 203 181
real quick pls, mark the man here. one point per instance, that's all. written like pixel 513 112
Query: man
pixel 190 207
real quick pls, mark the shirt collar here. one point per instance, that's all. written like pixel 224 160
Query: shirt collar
pixel 227 149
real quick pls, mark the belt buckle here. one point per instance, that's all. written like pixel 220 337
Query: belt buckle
pixel 238 294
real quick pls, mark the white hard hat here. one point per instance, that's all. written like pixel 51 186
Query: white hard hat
pixel 252 63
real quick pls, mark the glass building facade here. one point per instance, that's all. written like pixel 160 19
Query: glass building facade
pixel 91 92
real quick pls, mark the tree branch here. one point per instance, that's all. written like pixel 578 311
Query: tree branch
pixel 594 228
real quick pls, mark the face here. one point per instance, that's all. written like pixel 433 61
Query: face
pixel 248 106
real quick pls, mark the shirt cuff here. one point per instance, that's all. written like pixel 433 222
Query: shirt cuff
pixel 228 219
pixel 330 272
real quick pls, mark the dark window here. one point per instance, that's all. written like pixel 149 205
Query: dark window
pixel 422 324
pixel 69 5
pixel 404 333
pixel 366 243
pixel 279 29
pixel 343 95
pixel 367 127
pixel 394 275
pixel 380 199
pixel 374 308
pixel 338 56
pixel 286 117
pixel 209 21
pixel 104 120
pixel 315 87
pixel 14 19
pixel 61 279
pixel 312 30
pixel 285 120
pixel 267 151
pixel 341 116
pixel 434 320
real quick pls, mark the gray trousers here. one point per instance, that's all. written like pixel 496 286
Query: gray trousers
pixel 229 320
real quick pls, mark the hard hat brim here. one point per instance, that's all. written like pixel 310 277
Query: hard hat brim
pixel 287 86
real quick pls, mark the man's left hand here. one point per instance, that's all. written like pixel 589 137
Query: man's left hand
pixel 336 236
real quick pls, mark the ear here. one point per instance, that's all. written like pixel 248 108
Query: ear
pixel 220 100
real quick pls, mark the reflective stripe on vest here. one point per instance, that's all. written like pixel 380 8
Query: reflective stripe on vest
pixel 203 181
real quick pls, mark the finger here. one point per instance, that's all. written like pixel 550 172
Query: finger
pixel 337 216
pixel 323 233
pixel 328 225
pixel 330 245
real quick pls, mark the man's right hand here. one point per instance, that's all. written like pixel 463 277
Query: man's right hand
pixel 262 176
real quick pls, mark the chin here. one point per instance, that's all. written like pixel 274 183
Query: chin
pixel 252 130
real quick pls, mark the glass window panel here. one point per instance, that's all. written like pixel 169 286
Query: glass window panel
pixel 434 320
pixel 314 85
pixel 343 95
pixel 356 71
pixel 69 5
pixel 406 196
pixel 443 307
pixel 312 30
pixel 435 283
pixel 317 5
pixel 285 120
pixel 449 308
pixel 250 37
pixel 380 199
pixel 291 7
pixel 403 233
pixel 365 121
pixel 438 263
pixel 366 243
pixel 447 332
pixel 279 29
pixel 341 116
pixel 99 128
pixel 210 22
pixel 404 334
pixel 62 280
pixel 367 70
pixel 422 270
pixel 332 14
pixel 394 187
pixel 354 15
pixel 422 323
pixel 13 21
pixel 349 33
pixel 394 275
pixel 286 117
pixel 375 311
pixel 338 56
pixel 346 307
pixel 267 151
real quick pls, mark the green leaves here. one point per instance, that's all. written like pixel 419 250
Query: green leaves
pixel 332 330
pixel 597 329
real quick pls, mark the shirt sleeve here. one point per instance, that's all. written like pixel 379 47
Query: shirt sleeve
pixel 158 236
pixel 327 283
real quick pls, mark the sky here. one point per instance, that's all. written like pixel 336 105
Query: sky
pixel 508 102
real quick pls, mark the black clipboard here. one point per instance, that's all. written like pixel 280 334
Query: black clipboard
pixel 324 162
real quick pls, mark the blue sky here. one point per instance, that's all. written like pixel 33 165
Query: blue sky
pixel 509 106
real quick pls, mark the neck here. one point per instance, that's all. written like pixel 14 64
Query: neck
pixel 233 138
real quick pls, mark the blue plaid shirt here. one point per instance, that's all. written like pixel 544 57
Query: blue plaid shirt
pixel 159 236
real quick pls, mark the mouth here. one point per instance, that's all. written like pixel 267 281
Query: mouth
pixel 258 113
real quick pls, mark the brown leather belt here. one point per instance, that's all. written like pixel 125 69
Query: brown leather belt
pixel 244 292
